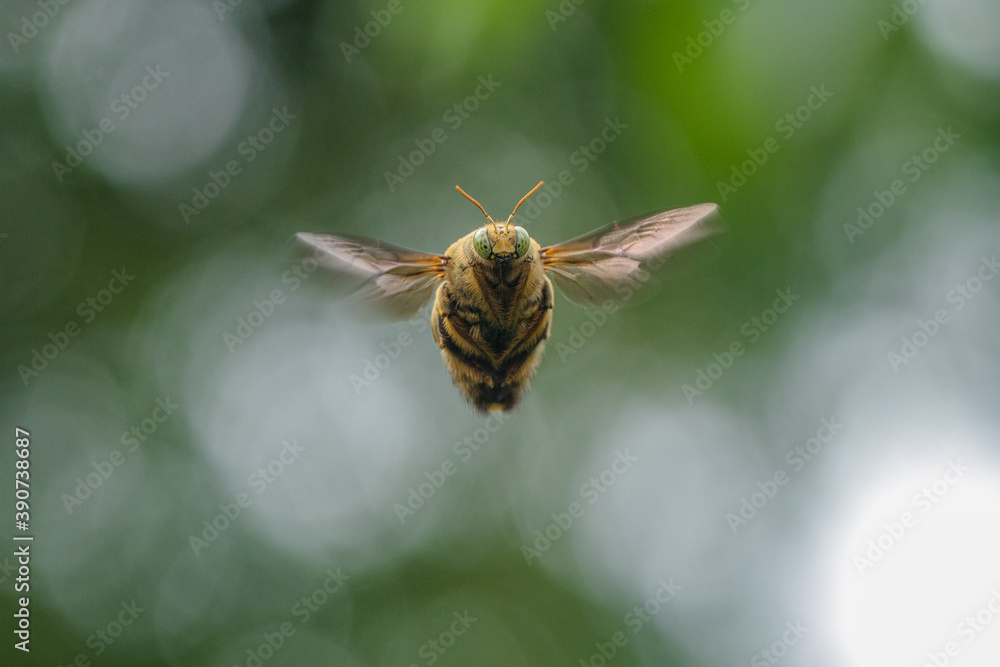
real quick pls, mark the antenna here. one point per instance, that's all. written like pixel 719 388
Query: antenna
pixel 479 205
pixel 522 200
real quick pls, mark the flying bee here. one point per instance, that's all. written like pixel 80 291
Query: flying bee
pixel 493 295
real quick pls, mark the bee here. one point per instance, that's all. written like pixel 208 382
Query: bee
pixel 492 288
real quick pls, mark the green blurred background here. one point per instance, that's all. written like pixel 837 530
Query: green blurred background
pixel 216 481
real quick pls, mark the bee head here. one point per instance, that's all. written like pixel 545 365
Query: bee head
pixel 501 242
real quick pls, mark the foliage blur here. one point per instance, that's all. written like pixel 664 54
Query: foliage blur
pixel 323 477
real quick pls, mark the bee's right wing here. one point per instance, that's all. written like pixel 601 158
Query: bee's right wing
pixel 588 268
pixel 391 282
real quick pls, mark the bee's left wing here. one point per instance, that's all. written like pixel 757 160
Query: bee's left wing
pixel 588 268
pixel 393 282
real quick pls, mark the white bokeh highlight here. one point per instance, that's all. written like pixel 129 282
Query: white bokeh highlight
pixel 165 124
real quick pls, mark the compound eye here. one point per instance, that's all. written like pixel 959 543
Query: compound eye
pixel 481 242
pixel 522 243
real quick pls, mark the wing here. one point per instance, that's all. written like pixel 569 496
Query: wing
pixel 588 268
pixel 391 282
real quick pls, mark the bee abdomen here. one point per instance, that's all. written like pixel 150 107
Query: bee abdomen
pixel 488 399
pixel 488 382
pixel 490 363
pixel 448 339
pixel 503 388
